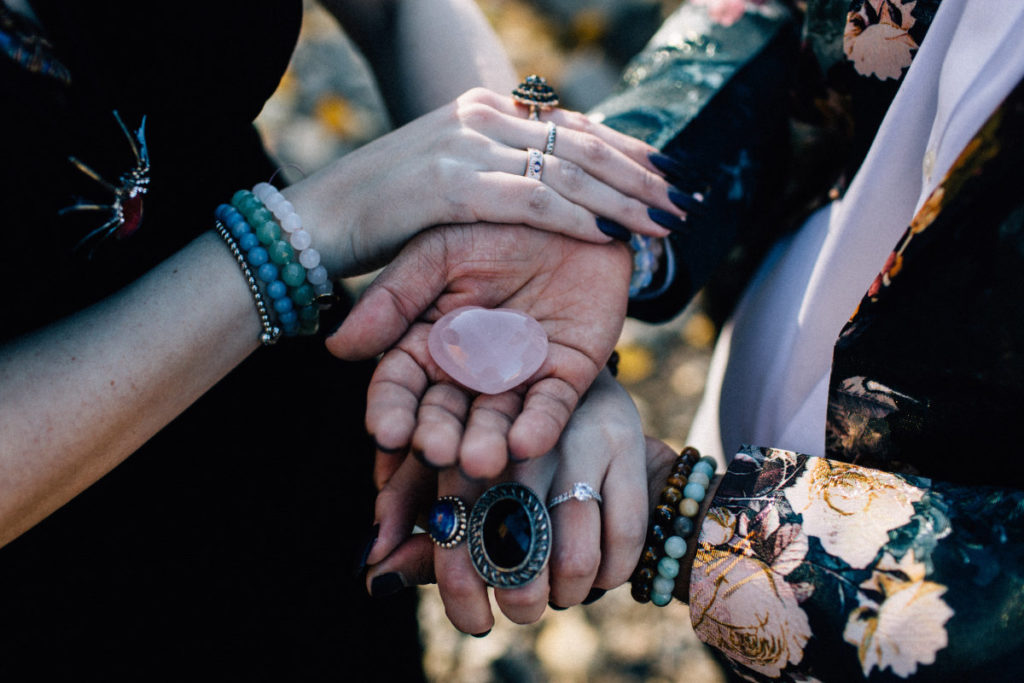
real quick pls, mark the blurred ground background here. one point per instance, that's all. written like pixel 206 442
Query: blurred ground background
pixel 328 105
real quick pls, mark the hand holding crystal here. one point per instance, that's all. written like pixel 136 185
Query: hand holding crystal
pixel 576 291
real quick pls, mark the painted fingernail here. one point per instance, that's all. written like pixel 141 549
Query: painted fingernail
pixel 594 595
pixel 667 220
pixel 667 164
pixel 418 454
pixel 612 229
pixel 389 451
pixel 687 202
pixel 386 584
pixel 481 635
pixel 368 549
pixel 556 607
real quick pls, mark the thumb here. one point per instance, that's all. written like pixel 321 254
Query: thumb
pixel 396 297
pixel 410 564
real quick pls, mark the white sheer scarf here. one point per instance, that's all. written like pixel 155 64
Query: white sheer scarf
pixel 768 383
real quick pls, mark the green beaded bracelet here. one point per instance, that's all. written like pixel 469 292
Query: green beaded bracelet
pixel 672 523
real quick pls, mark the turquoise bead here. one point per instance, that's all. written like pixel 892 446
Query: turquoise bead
pixel 268 232
pixel 281 252
pixel 661 599
pixel 705 468
pixel 302 296
pixel 699 478
pixel 710 461
pixel 668 567
pixel 695 492
pixel 293 274
pixel 675 546
pixel 239 197
pixel 309 313
pixel 260 215
pixel 662 584
pixel 288 318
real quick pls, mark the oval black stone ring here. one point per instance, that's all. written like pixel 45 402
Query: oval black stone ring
pixel 446 523
pixel 509 535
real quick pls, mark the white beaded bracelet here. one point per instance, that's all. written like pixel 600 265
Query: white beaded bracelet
pixel 299 238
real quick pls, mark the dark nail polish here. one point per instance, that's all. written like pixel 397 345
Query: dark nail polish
pixel 556 607
pixel 386 584
pixel 389 451
pixel 686 202
pixel 667 220
pixel 668 165
pixel 594 595
pixel 481 635
pixel 612 229
pixel 368 549
pixel 418 454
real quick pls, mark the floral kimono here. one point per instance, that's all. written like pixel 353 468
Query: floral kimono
pixel 900 554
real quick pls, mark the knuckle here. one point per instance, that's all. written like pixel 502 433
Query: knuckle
pixel 458 584
pixel 472 114
pixel 540 200
pixel 575 563
pixel 595 149
pixel 572 176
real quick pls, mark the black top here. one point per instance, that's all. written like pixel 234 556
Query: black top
pixel 225 547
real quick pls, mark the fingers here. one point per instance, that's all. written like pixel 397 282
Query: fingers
pixel 462 591
pixel 394 394
pixel 637 150
pixel 589 153
pixel 483 453
pixel 526 604
pixel 576 553
pixel 548 405
pixel 408 491
pixel 439 425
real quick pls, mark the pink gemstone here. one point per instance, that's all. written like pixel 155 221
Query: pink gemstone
pixel 488 350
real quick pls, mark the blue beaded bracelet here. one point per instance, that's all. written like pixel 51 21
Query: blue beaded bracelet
pixel 270 331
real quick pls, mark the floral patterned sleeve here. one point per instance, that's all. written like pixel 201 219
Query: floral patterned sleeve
pixel 813 569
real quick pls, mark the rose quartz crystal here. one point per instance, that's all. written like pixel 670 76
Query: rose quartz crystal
pixel 488 350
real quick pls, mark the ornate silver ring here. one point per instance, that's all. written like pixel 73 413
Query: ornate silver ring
pixel 534 163
pixel 580 491
pixel 549 147
pixel 509 535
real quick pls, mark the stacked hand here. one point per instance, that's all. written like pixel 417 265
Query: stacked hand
pixel 594 545
pixel 464 163
pixel 576 290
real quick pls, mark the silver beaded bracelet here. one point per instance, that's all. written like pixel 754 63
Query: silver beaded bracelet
pixel 271 332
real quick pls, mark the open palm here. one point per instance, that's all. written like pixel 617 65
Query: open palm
pixel 576 290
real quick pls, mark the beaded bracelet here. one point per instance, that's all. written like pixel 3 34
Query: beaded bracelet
pixel 258 258
pixel 309 258
pixel 672 523
pixel 271 333
pixel 298 311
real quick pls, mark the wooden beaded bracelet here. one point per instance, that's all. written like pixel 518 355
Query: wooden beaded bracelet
pixel 672 524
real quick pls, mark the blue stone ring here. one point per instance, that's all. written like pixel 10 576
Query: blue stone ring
pixel 509 535
pixel 447 522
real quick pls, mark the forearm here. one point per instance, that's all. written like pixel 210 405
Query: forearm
pixel 79 396
pixel 425 52
pixel 444 48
